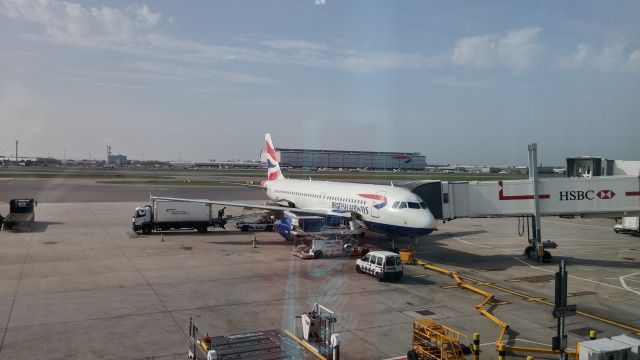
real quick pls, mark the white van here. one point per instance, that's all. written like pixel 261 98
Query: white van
pixel 381 264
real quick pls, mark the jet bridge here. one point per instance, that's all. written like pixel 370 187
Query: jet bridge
pixel 605 197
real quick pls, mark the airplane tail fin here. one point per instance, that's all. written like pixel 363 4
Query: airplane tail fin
pixel 273 167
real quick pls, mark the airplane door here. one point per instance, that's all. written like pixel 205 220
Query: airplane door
pixel 323 200
pixel 378 203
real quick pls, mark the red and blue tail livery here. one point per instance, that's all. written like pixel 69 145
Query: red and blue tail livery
pixel 273 167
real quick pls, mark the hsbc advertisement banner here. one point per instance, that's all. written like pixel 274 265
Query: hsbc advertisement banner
pixel 618 195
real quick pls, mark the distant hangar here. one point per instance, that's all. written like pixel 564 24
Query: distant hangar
pixel 338 159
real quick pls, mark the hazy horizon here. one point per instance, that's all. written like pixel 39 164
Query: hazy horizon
pixel 462 83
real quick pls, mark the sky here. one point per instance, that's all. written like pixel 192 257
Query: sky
pixel 462 82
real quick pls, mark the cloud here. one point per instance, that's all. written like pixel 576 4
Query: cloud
pixel 135 29
pixel 72 24
pixel 285 44
pixel 517 49
pixel 320 2
pixel 577 59
pixel 145 17
pixel 336 57
pixel 454 82
pixel 613 56
pixel 634 60
pixel 130 73
pixel 181 73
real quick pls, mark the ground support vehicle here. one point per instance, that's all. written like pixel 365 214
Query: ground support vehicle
pixel 317 246
pixel 381 264
pixel 21 214
pixel 255 223
pixel 167 215
pixel 313 238
pixel 265 344
pixel 432 340
pixel 628 225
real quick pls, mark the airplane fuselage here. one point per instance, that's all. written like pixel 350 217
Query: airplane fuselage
pixel 385 209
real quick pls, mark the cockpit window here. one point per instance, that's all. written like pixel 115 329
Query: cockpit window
pixel 403 205
pixel 395 205
pixel 413 205
pixel 423 204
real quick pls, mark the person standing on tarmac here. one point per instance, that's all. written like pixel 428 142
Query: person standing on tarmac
pixel 221 217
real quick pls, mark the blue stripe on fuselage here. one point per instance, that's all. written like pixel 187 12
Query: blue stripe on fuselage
pixel 397 230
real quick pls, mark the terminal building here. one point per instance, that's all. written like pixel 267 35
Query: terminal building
pixel 116 160
pixel 336 159
pixel 588 166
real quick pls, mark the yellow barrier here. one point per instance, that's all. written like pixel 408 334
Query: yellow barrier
pixel 500 347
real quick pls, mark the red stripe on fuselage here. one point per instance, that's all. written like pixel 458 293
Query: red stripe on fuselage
pixel 373 196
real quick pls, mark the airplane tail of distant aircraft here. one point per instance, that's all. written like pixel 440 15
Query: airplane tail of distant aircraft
pixel 273 166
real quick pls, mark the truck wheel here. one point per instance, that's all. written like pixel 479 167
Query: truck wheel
pixel 411 355
pixel 317 254
pixel 244 228
pixel 358 270
pixel 269 228
pixel 380 276
pixel 202 229
pixel 146 229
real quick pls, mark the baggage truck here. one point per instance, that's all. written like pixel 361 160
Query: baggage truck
pixel 166 215
pixel 21 214
pixel 628 225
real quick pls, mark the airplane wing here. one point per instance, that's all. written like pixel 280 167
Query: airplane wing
pixel 322 212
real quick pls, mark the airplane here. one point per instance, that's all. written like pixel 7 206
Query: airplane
pixel 393 211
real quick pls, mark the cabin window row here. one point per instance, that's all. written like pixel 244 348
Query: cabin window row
pixel 318 196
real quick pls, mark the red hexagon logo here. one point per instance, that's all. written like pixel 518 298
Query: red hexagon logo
pixel 606 194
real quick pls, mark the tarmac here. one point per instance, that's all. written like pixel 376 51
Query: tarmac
pixel 90 190
pixel 81 284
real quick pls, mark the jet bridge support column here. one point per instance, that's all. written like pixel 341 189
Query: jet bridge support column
pixel 536 248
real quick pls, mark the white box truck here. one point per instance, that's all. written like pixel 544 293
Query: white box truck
pixel 604 349
pixel 628 225
pixel 631 341
pixel 166 215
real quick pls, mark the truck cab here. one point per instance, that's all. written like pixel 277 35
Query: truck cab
pixel 142 219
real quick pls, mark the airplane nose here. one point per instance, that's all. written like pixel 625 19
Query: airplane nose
pixel 428 220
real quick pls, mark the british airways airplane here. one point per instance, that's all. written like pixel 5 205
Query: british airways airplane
pixel 384 209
